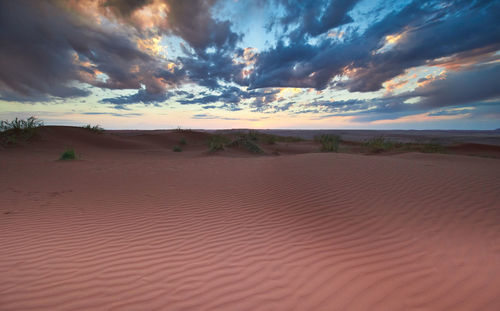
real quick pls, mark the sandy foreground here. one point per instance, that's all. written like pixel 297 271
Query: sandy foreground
pixel 135 226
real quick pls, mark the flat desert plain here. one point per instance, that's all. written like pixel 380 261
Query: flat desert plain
pixel 132 225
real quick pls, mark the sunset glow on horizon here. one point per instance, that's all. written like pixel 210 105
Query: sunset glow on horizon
pixel 151 64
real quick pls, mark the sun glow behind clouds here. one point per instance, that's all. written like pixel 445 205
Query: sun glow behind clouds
pixel 256 62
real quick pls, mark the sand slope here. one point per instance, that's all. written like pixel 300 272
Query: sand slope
pixel 129 230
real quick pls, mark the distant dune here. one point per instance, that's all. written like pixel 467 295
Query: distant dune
pixel 442 136
pixel 133 225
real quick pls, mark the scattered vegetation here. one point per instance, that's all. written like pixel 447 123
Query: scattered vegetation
pixel 177 149
pixel 267 138
pixel 183 141
pixel 249 140
pixel 379 144
pixel 433 148
pixel 181 130
pixel 329 142
pixel 247 143
pixel 68 154
pixel 217 142
pixel 18 129
pixel 96 128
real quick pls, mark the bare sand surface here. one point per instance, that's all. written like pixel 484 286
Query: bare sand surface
pixel 135 226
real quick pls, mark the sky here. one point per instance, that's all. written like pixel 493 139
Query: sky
pixel 324 64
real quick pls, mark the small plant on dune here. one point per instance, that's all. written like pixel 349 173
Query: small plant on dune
pixel 183 141
pixel 96 128
pixel 252 135
pixel 18 129
pixel 329 142
pixel 68 154
pixel 181 130
pixel 380 144
pixel 177 149
pixel 270 139
pixel 432 148
pixel 247 143
pixel 288 139
pixel 217 142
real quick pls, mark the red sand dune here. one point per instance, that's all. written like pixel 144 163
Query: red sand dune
pixel 135 226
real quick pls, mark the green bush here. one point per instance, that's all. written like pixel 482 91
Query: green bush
pixel 96 128
pixel 252 135
pixel 247 143
pixel 217 142
pixel 177 149
pixel 181 130
pixel 432 148
pixel 183 141
pixel 270 139
pixel 18 129
pixel 329 142
pixel 68 154
pixel 380 144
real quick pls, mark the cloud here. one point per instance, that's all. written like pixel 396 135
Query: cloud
pixel 192 21
pixel 59 43
pixel 204 116
pixel 314 17
pixel 475 87
pixel 115 114
pixel 428 31
pixel 48 51
pixel 51 50
pixel 125 8
pixel 232 97
pixel 142 96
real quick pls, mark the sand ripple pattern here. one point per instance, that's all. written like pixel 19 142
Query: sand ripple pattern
pixel 304 232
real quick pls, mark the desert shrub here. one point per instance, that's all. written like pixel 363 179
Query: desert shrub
pixel 252 135
pixel 329 142
pixel 18 129
pixel 96 128
pixel 270 139
pixel 68 154
pixel 181 130
pixel 379 144
pixel 183 141
pixel 247 143
pixel 217 142
pixel 177 149
pixel 432 148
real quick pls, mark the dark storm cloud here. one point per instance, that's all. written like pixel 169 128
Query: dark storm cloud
pixel 51 49
pixel 192 21
pixel 125 7
pixel 42 49
pixel 314 17
pixel 458 31
pixel 231 97
pixel 430 30
pixel 45 48
pixel 474 87
pixel 142 96
pixel 210 69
